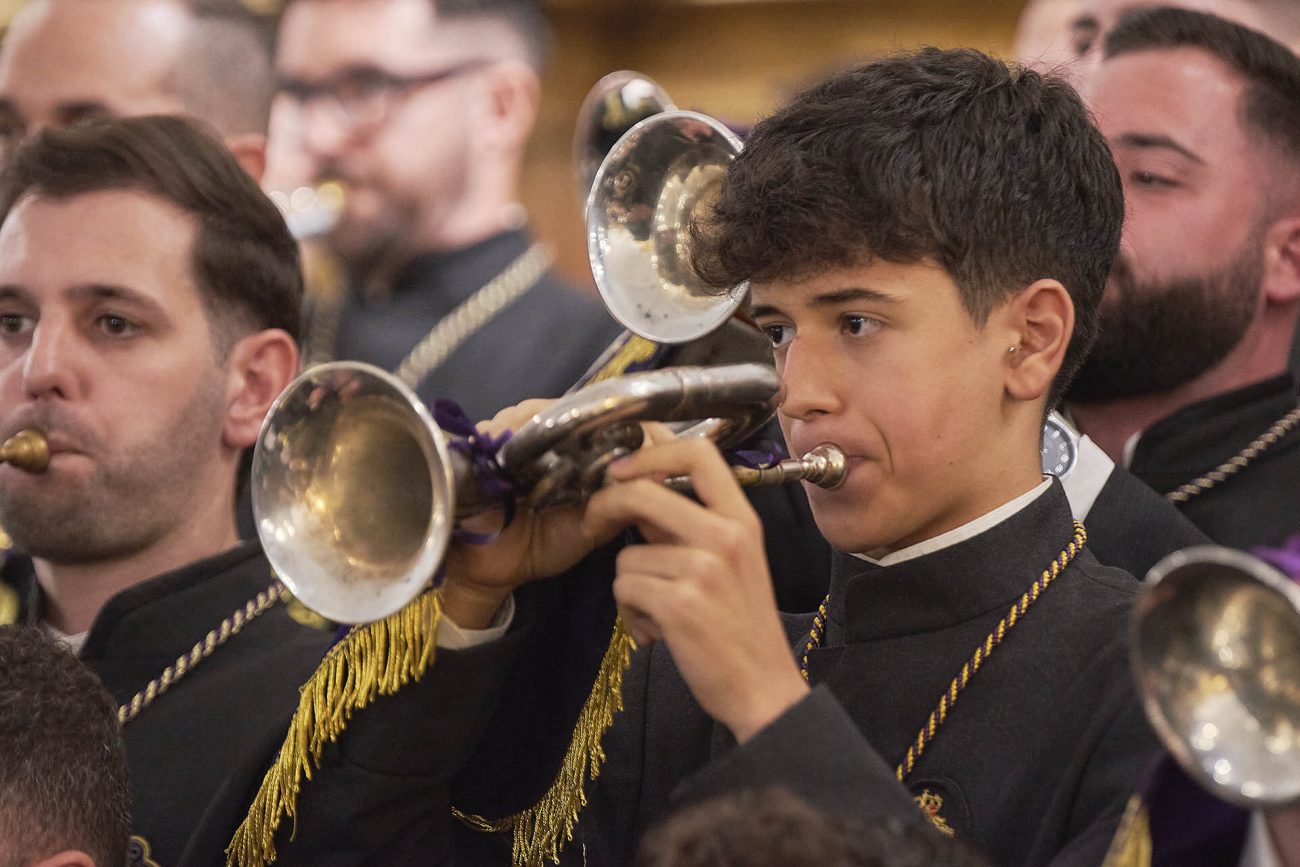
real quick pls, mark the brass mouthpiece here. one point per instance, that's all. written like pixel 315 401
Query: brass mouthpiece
pixel 27 450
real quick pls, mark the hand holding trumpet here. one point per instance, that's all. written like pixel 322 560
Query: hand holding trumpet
pixel 700 583
pixel 537 543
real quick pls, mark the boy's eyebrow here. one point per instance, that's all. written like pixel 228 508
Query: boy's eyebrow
pixel 831 299
pixel 1141 141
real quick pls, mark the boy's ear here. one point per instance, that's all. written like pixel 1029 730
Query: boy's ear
pixel 1039 322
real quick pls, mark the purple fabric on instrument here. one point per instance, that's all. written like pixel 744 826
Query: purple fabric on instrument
pixel 1189 826
pixel 481 449
pixel 765 455
pixel 1286 558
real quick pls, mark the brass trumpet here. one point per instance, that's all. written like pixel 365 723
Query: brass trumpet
pixel 356 490
pixel 27 450
pixel 1215 649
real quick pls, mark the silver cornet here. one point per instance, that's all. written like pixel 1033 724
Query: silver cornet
pixel 356 490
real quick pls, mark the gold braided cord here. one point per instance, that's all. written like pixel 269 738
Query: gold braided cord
pixel 542 830
pixel 982 653
pixel 1238 462
pixel 816 636
pixel 978 658
pixel 185 663
pixel 474 313
pixel 376 659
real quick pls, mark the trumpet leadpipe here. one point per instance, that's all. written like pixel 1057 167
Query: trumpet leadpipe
pixel 824 466
pixel 27 450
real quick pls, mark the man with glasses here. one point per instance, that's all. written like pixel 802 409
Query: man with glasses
pixel 421 111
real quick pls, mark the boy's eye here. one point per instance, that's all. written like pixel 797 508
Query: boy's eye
pixel 116 326
pixel 1151 180
pixel 14 323
pixel 858 326
pixel 778 334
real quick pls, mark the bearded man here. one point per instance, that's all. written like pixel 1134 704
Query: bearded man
pixel 1188 383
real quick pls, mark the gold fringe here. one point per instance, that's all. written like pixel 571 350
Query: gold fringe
pixel 636 351
pixel 542 830
pixel 372 660
pixel 1132 844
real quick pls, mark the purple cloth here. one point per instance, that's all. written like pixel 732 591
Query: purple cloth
pixel 1286 558
pixel 1189 826
pixel 482 450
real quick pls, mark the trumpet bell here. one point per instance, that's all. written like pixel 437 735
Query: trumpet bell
pixel 352 492
pixel 615 104
pixel 662 172
pixel 1215 648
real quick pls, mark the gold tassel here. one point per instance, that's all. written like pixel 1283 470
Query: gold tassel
pixel 1132 844
pixel 637 350
pixel 372 660
pixel 541 831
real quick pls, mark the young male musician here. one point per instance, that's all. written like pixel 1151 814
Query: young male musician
pixel 927 239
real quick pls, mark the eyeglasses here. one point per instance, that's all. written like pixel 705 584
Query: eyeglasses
pixel 363 96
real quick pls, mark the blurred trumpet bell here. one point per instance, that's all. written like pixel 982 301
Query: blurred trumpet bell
pixel 1215 648
pixel 616 103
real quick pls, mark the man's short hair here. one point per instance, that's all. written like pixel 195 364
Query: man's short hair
pixel 1270 101
pixel 224 74
pixel 524 17
pixel 994 172
pixel 245 262
pixel 63 781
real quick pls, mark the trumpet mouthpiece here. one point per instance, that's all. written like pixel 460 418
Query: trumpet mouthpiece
pixel 27 450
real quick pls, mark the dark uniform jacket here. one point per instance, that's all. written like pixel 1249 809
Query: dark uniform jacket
pixel 1131 527
pixel 536 347
pixel 190 742
pixel 1260 505
pixel 1033 764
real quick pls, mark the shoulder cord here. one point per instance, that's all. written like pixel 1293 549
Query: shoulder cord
pixel 1238 462
pixel 185 663
pixel 449 332
pixel 978 658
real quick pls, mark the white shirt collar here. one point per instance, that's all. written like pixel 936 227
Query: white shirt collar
pixel 1130 449
pixel 966 531
pixel 73 641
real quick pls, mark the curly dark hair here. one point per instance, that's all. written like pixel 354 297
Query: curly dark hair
pixel 63 782
pixel 773 827
pixel 994 172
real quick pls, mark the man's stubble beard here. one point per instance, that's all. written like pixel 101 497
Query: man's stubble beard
pixel 133 499
pixel 1155 336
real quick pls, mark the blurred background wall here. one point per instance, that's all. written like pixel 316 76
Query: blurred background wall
pixel 735 60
